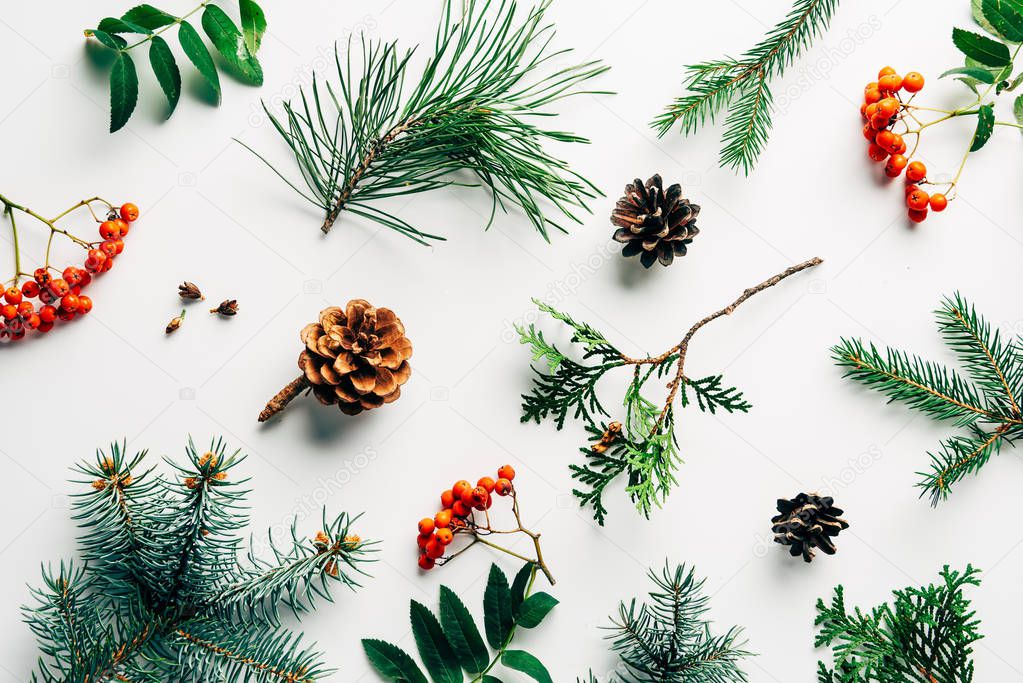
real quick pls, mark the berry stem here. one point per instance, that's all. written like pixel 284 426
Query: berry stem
pixel 285 396
pixel 17 251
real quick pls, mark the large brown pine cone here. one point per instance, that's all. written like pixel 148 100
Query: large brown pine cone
pixel 356 357
pixel 806 522
pixel 654 223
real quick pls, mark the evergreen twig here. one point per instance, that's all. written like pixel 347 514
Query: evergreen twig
pixel 644 447
pixel 742 86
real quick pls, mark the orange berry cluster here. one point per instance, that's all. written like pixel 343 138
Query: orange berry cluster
pixel 61 298
pixel 457 506
pixel 883 109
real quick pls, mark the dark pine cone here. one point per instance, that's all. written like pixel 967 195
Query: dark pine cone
pixel 654 223
pixel 806 522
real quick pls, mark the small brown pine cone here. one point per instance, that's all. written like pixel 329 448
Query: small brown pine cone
pixel 655 223
pixel 806 522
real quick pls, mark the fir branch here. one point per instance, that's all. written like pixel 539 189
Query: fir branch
pixel 927 635
pixel 987 406
pixel 370 138
pixel 645 448
pixel 742 86
pixel 171 599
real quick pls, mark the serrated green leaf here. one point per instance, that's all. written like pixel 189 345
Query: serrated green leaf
pixel 434 648
pixel 970 83
pixel 536 607
pixel 985 126
pixel 1004 18
pixel 519 585
pixel 981 48
pixel 497 613
pixel 253 24
pixel 462 632
pixel 114 42
pixel 392 662
pixel 148 16
pixel 124 91
pixel 230 43
pixel 197 53
pixel 166 69
pixel 112 25
pixel 527 664
pixel 975 72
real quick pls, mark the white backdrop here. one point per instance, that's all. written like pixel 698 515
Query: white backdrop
pixel 213 215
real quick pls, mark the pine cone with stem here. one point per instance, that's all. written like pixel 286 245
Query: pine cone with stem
pixel 655 223
pixel 806 522
pixel 356 358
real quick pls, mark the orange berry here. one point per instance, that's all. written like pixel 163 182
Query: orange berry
pixel 917 199
pixel 506 472
pixel 895 164
pixel 899 148
pixel 487 483
pixel 916 171
pixel 911 188
pixel 444 536
pixel 870 111
pixel 426 526
pixel 890 83
pixel 460 488
pixel 918 216
pixel 447 499
pixel 129 212
pixel 913 82
pixel 863 110
pixel 886 139
pixel 426 563
pixel 434 549
pixel 443 519
pixel 885 71
pixel 889 106
pixel 869 133
pixel 502 487
pixel 421 541
pixel 880 121
pixel 876 152
pixel 872 95
pixel 479 497
pixel 460 509
pixel 870 86
pixel 938 202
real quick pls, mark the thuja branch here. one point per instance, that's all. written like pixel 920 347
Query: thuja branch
pixel 368 138
pixel 643 445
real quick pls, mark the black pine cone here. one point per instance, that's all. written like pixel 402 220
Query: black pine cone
pixel 806 522
pixel 654 223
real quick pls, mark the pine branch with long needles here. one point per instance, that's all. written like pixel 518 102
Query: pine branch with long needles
pixel 668 639
pixel 644 446
pixel 986 402
pixel 742 86
pixel 369 138
pixel 160 592
pixel 926 636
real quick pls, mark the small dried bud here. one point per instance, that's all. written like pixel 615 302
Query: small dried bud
pixel 331 568
pixel 99 484
pixel 608 438
pixel 321 538
pixel 175 323
pixel 191 482
pixel 227 307
pixel 205 532
pixel 189 290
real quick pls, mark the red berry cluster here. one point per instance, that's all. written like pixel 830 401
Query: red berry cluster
pixel 884 110
pixel 61 298
pixel 456 515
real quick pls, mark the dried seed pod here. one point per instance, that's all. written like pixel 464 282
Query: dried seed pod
pixel 227 307
pixel 175 323
pixel 189 290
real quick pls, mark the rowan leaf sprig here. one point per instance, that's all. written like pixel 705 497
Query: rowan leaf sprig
pixel 926 635
pixel 160 592
pixel 452 648
pixel 986 402
pixel 741 86
pixel 237 45
pixel 644 446
pixel 368 137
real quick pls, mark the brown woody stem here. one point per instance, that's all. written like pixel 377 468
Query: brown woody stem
pixel 284 397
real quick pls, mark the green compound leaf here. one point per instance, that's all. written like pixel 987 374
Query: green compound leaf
pixel 112 25
pixel 985 126
pixel 497 611
pixel 434 648
pixel 535 609
pixel 981 48
pixel 148 16
pixel 196 51
pixel 462 632
pixel 230 43
pixel 253 24
pixel 975 72
pixel 166 69
pixel 124 91
pixel 1003 18
pixel 527 664
pixel 392 662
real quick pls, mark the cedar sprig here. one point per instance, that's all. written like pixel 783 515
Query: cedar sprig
pixel 368 137
pixel 668 639
pixel 986 402
pixel 742 86
pixel 644 446
pixel 926 635
pixel 160 592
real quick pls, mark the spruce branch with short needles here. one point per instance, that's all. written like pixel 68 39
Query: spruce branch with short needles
pixel 925 636
pixel 369 138
pixel 668 639
pixel 742 86
pixel 160 592
pixel 986 403
pixel 643 446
